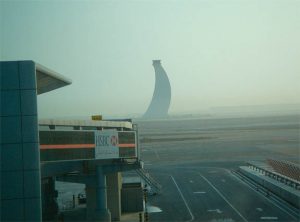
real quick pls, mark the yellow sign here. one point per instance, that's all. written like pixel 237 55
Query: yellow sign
pixel 97 117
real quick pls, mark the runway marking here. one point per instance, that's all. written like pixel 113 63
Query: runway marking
pixel 147 163
pixel 187 206
pixel 153 209
pixel 224 198
pixel 191 181
pixel 268 218
pixel 216 210
pixel 259 209
pixel 199 192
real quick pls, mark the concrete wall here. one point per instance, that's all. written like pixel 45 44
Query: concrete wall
pixel 132 198
pixel 114 185
pixel 20 169
pixel 287 193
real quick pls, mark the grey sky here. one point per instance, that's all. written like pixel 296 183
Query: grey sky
pixel 216 53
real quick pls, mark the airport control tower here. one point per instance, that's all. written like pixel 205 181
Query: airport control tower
pixel 161 98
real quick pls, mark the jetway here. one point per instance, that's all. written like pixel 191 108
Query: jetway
pixel 87 152
pixel 82 144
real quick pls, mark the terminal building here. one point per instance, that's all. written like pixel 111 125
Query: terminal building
pixel 36 153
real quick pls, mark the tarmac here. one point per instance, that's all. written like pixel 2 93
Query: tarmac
pixel 78 214
pixel 193 163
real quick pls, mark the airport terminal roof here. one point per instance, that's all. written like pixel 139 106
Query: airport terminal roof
pixel 88 123
pixel 48 80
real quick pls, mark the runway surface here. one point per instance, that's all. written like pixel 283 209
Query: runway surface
pixel 210 194
pixel 193 164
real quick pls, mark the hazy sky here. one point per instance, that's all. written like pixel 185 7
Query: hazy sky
pixel 216 53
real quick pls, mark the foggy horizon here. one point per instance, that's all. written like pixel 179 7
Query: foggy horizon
pixel 215 53
pixel 212 112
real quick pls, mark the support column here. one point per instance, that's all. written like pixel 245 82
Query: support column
pixel 114 186
pixel 49 203
pixel 97 199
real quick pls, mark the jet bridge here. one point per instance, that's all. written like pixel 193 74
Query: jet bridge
pixel 86 152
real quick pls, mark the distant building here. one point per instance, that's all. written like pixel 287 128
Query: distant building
pixel 161 99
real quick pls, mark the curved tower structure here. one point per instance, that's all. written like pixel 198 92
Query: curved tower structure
pixel 161 98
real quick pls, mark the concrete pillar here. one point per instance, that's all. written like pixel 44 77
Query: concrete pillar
pixel 114 185
pixel 97 199
pixel 90 201
pixel 49 203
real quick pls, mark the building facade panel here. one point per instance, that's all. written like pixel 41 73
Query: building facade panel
pixel 11 103
pixel 9 75
pixel 11 157
pixel 20 170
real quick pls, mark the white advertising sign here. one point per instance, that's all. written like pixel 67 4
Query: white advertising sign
pixel 106 144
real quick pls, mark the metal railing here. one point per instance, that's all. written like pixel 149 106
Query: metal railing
pixel 149 180
pixel 276 176
pixel 286 168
